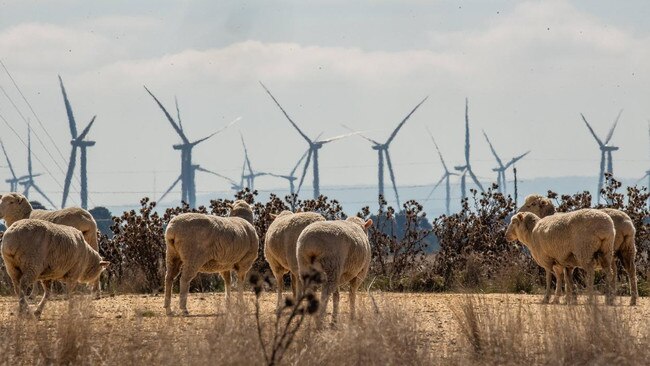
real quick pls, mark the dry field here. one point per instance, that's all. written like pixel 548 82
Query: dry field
pixel 407 329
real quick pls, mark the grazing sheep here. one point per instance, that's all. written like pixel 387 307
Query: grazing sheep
pixel 15 206
pixel 35 249
pixel 280 246
pixel 340 250
pixel 207 243
pixel 581 238
pixel 624 247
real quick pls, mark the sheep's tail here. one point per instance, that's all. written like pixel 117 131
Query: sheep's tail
pixel 170 235
pixel 310 260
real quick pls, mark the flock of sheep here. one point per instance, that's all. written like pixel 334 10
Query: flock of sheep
pixel 62 246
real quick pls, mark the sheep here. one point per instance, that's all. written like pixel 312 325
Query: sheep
pixel 34 249
pixel 624 247
pixel 340 250
pixel 581 238
pixel 15 206
pixel 206 243
pixel 280 246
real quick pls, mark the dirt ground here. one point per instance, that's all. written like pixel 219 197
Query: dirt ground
pixel 434 312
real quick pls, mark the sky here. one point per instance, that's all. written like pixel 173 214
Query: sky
pixel 528 68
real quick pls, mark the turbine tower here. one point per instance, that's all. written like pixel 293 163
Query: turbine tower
pixel 28 180
pixel 467 168
pixel 13 181
pixel 314 146
pixel 188 171
pixel 606 162
pixel 445 177
pixel 77 142
pixel 382 153
pixel 501 169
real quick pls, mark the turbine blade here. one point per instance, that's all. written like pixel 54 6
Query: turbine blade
pixel 215 174
pixel 29 150
pixel 217 131
pixel 471 174
pixel 170 188
pixel 68 175
pixel 399 126
pixel 494 152
pixel 600 143
pixel 248 161
pixel 392 177
pixel 304 170
pixel 435 187
pixel 178 130
pixel 611 130
pixel 68 109
pixel 11 168
pixel 293 171
pixel 323 142
pixel 286 115
pixel 516 159
pixel 442 160
pixel 360 134
pixel 87 129
pixel 43 195
pixel 178 114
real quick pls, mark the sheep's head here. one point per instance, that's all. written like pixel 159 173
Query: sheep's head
pixel 14 204
pixel 539 205
pixel 281 214
pixel 520 226
pixel 242 209
pixel 93 273
pixel 365 225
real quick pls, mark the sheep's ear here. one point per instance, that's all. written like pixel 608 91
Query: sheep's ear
pixel 104 264
pixel 21 199
pixel 273 216
pixel 367 224
pixel 520 216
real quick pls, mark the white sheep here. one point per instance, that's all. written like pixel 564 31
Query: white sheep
pixel 35 249
pixel 624 242
pixel 15 206
pixel 340 250
pixel 207 243
pixel 280 246
pixel 581 238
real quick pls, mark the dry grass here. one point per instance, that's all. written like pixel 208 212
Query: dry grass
pixel 409 329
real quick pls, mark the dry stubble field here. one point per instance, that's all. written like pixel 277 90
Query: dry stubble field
pixel 408 328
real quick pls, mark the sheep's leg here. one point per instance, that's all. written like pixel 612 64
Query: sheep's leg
pixel 336 297
pixel 278 273
pixel 294 285
pixel 241 279
pixel 559 283
pixel 47 285
pixel 610 273
pixel 173 268
pixel 328 288
pixel 188 272
pixel 26 280
pixel 227 280
pixel 549 277
pixel 571 297
pixel 590 282
pixel 630 267
pixel 354 286
pixel 97 289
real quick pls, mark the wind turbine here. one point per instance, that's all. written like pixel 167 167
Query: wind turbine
pixel 605 151
pixel 314 146
pixel 77 142
pixel 196 168
pixel 291 177
pixel 467 168
pixel 28 180
pixel 250 177
pixel 445 176
pixel 382 153
pixel 188 186
pixel 13 181
pixel 501 169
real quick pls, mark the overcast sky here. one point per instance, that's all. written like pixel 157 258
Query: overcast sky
pixel 528 68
